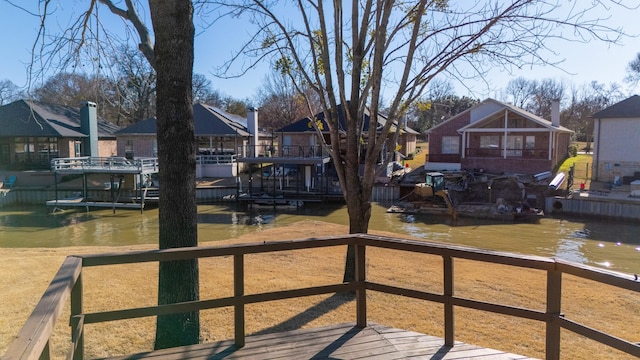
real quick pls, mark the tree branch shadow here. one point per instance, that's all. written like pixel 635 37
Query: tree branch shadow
pixel 296 322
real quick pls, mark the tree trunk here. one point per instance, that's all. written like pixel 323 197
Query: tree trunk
pixel 178 280
pixel 359 209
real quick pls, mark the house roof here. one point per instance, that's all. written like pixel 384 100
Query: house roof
pixel 530 116
pixel 208 121
pixel 304 125
pixel 627 108
pixel 37 119
pixel 143 127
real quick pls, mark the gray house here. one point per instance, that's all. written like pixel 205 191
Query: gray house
pixel 616 142
pixel 33 133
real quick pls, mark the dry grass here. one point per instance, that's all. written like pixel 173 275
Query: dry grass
pixel 28 271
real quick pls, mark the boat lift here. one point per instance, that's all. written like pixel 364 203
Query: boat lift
pixel 117 167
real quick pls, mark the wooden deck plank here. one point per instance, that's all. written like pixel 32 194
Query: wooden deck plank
pixel 343 341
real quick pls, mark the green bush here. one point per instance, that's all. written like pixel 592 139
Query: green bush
pixel 573 151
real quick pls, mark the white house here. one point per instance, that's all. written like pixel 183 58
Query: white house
pixel 616 142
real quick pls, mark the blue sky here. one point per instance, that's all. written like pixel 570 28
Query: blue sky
pixel 583 62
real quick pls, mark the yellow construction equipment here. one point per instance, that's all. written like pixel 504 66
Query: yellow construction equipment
pixel 434 186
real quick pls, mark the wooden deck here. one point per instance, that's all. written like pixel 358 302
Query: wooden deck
pixel 344 341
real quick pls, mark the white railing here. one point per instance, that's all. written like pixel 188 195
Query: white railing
pixel 215 159
pixel 87 163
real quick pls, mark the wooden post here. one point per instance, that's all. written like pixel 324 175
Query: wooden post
pixel 361 291
pixel 448 304
pixel 554 297
pixel 76 309
pixel 238 293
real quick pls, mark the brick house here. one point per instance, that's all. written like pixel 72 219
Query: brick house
pixel 33 133
pixel 498 138
pixel 222 138
pixel 217 132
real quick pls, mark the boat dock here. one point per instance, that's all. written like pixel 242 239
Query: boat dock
pixel 131 176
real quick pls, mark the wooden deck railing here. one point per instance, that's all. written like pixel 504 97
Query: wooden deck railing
pixel 32 342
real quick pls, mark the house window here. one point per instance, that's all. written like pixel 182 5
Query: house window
pixel 47 148
pixel 5 154
pixel 490 142
pixel 489 145
pixel 23 149
pixel 286 145
pixel 530 147
pixel 128 149
pixel 450 144
pixel 514 145
pixel 77 148
pixel 515 123
pixel 154 148
pixel 530 142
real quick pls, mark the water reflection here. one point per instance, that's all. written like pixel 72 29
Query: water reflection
pixel 607 244
pixel 570 249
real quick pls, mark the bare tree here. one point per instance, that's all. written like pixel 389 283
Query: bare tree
pixel 67 89
pixel 9 92
pixel 633 71
pixel 536 96
pixel 203 92
pixel 71 88
pixel 134 82
pixel 585 101
pixel 351 52
pixel 124 91
pixel 543 94
pixel 521 90
pixel 280 103
pixel 169 50
pixel 437 106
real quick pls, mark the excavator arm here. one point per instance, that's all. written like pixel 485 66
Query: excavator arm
pixel 444 194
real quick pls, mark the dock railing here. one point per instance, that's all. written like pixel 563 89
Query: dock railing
pixel 33 340
pixel 216 159
pixel 104 164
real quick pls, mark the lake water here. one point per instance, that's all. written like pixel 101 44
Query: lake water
pixel 607 244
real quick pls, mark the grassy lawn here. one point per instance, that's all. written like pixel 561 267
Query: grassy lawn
pixel 582 169
pixel 421 157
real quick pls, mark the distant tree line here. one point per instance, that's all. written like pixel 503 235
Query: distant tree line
pixel 127 94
